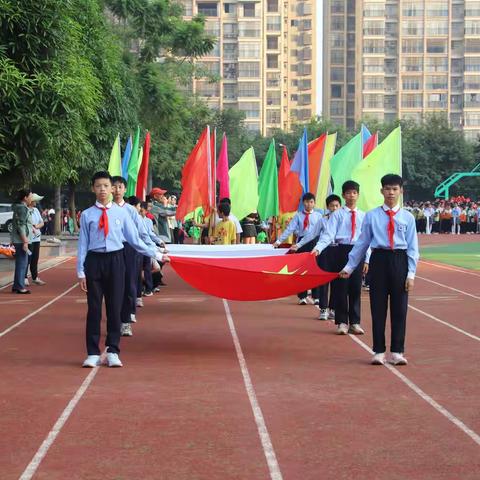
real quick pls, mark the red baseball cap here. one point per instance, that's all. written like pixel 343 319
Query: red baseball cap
pixel 157 191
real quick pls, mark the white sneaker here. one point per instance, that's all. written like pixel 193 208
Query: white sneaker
pixel 113 360
pixel 356 329
pixel 316 302
pixel 91 361
pixel 26 282
pixel 38 281
pixel 139 302
pixel 331 314
pixel 378 359
pixel 126 330
pixel 133 318
pixel 342 329
pixel 398 359
pixel 302 301
pixel 323 314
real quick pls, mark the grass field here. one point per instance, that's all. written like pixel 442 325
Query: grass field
pixel 466 255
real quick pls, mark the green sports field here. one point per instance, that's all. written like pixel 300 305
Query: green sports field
pixel 466 255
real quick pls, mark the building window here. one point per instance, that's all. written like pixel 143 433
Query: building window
pixel 472 27
pixel 374 27
pixel 272 6
pixel 272 42
pixel 412 64
pixel 372 100
pixel 435 45
pixel 373 46
pixel 472 9
pixel 249 10
pixel 412 46
pixel 249 89
pixel 437 83
pixel 373 64
pixel 472 119
pixel 411 83
pixel 230 71
pixel 437 100
pixel 410 100
pixel 273 79
pixel 249 69
pixel 188 6
pixel 373 10
pixel 249 29
pixel 273 116
pixel 472 64
pixel 337 107
pixel 412 9
pixel 252 127
pixel 272 60
pixel 273 97
pixel 437 27
pixel 472 100
pixel 436 64
pixel 437 9
pixel 208 9
pixel 205 89
pixel 230 8
pixel 249 50
pixel 338 24
pixel 337 57
pixel 230 30
pixel 472 82
pixel 373 83
pixel 229 91
pixel 337 74
pixel 412 27
pixel 336 91
pixel 337 6
pixel 274 23
pixel 251 109
pixel 472 45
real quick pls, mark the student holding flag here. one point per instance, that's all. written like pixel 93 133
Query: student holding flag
pixel 343 230
pixel 302 224
pixel 390 231
pixel 104 227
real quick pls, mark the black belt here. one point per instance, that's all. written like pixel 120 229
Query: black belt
pixel 395 250
pixel 93 252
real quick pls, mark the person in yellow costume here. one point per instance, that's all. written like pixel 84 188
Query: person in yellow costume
pixel 225 231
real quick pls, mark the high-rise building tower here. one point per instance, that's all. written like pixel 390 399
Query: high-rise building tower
pixel 391 59
pixel 265 56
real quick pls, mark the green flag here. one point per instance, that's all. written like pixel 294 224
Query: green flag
pixel 133 166
pixel 244 185
pixel 386 158
pixel 115 164
pixel 344 161
pixel 268 185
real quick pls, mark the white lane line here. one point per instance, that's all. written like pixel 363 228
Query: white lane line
pixel 450 288
pixel 42 270
pixel 443 411
pixel 443 322
pixel 268 450
pixel 445 267
pixel 32 467
pixel 43 307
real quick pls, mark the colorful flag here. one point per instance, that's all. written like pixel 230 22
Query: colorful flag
pixel 316 150
pixel 244 185
pixel 249 279
pixel 324 187
pixel 386 158
pixel 300 162
pixel 222 170
pixel 365 134
pixel 289 188
pixel 195 187
pixel 126 158
pixel 133 166
pixel 143 172
pixel 268 185
pixel 370 145
pixel 115 164
pixel 212 171
pixel 344 161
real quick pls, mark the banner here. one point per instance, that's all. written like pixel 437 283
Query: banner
pixel 251 279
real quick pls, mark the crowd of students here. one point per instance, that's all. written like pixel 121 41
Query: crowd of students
pixel 458 215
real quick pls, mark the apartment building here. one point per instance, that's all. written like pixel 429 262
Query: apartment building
pixel 264 57
pixel 402 59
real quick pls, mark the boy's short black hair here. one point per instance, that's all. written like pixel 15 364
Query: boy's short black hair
pixel 133 200
pixel 21 194
pixel 224 208
pixel 119 179
pixel 225 200
pixel 350 185
pixel 392 179
pixel 333 198
pixel 308 196
pixel 144 205
pixel 102 174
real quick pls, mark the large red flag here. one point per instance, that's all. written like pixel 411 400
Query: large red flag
pixel 316 149
pixel 222 170
pixel 248 279
pixel 195 178
pixel 289 187
pixel 370 145
pixel 141 188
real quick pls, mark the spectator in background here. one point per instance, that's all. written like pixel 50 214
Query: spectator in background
pixel 428 213
pixel 37 225
pixel 249 227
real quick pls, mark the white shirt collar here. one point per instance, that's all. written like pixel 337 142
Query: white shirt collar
pixel 396 208
pixel 122 203
pixel 349 210
pixel 107 206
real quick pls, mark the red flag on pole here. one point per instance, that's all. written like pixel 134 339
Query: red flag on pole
pixel 248 279
pixel 289 187
pixel 141 188
pixel 196 185
pixel 316 149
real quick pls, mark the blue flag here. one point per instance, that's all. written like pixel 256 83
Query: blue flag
pixel 126 158
pixel 300 162
pixel 365 134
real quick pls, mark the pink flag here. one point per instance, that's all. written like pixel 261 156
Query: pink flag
pixel 222 170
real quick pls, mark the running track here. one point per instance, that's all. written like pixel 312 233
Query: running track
pixel 214 390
